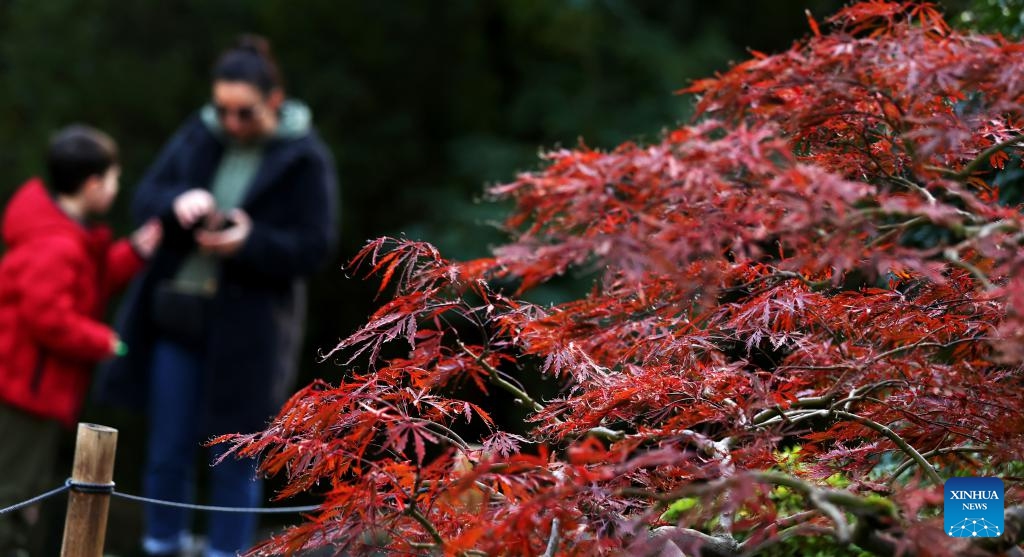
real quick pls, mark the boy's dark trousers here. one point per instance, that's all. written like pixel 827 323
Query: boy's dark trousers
pixel 28 451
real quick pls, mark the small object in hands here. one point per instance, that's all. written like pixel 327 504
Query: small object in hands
pixel 120 348
pixel 228 241
pixel 215 222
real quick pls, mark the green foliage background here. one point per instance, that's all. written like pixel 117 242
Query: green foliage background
pixel 422 103
pixel 1002 16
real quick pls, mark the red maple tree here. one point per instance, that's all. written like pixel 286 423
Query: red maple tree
pixel 806 313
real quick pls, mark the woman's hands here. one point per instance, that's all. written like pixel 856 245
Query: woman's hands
pixel 190 207
pixel 226 241
pixel 219 235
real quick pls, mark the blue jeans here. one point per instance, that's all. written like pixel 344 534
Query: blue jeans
pixel 175 400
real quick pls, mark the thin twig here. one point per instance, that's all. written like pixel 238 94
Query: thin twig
pixel 553 540
pixel 818 402
pixel 895 228
pixel 607 434
pixel 427 525
pixel 496 378
pixel 777 275
pixel 794 519
pixel 968 170
pixel 793 417
pixel 895 438
pixel 799 409
pixel 445 433
pixel 916 187
pixel 851 501
pixel 817 498
pixel 953 257
pixel 711 546
pixel 946 450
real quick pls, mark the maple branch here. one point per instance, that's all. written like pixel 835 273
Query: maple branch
pixel 712 546
pixel 914 186
pixel 869 536
pixel 841 498
pixel 607 434
pixel 411 510
pixel 446 434
pixel 780 276
pixel 495 377
pixel 945 450
pixel 817 402
pixel 872 536
pixel 803 408
pixel 427 525
pixel 833 513
pixel 867 152
pixel 895 228
pixel 861 393
pixel 553 540
pixel 829 502
pixel 972 166
pixel 941 170
pixel 837 497
pixel 895 438
pixel 953 257
pixel 792 417
pixel 981 231
pixel 522 397
pixel 898 225
pixel 794 519
pixel 925 344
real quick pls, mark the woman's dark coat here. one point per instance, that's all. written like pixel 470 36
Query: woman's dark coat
pixel 256 318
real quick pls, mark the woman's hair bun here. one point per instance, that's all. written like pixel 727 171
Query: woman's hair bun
pixel 254 43
pixel 249 60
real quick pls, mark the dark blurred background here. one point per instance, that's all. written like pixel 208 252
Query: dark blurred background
pixel 422 103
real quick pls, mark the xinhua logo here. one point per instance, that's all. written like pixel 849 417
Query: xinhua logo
pixel 974 507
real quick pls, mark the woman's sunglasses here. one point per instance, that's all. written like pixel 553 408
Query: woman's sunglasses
pixel 244 114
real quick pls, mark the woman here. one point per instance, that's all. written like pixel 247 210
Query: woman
pixel 246 192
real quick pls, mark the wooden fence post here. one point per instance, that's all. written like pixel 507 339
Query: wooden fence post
pixel 85 526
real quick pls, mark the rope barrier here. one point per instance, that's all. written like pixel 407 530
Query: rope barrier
pixel 83 487
pixel 35 499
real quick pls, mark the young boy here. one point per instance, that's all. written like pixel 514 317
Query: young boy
pixel 55 278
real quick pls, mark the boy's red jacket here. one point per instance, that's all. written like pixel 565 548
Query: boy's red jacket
pixel 55 279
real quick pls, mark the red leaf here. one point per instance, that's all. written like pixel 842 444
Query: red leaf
pixel 812 23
